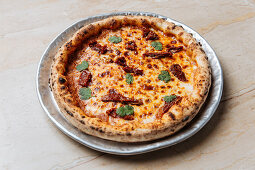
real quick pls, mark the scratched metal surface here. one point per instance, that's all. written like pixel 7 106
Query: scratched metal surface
pixel 50 107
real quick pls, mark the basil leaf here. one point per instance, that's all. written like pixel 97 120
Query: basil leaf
pixel 157 45
pixel 115 39
pixel 164 76
pixel 126 110
pixel 85 93
pixel 84 65
pixel 121 111
pixel 129 110
pixel 169 98
pixel 129 78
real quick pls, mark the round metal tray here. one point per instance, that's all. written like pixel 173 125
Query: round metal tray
pixel 50 107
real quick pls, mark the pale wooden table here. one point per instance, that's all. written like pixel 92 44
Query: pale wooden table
pixel 28 139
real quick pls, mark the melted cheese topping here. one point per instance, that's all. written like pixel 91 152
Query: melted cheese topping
pixel 99 63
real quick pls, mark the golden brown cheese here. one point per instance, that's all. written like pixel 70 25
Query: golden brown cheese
pixel 107 75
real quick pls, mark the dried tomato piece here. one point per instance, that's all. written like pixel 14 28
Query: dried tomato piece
pixel 174 49
pixel 97 47
pixel 149 35
pixel 85 78
pixel 176 70
pixel 131 45
pixel 165 108
pixel 114 96
pixel 157 55
pixel 121 61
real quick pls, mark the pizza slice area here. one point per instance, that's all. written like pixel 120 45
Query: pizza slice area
pixel 131 73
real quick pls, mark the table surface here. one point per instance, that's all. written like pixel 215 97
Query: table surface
pixel 29 140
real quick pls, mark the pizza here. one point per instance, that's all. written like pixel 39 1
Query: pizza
pixel 130 78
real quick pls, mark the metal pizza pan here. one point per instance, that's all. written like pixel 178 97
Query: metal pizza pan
pixel 51 108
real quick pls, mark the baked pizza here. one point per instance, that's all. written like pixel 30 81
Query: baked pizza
pixel 130 78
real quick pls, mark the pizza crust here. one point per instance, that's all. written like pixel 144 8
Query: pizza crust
pixel 130 132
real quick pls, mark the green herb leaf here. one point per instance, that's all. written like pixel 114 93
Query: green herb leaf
pixel 129 78
pixel 169 98
pixel 157 45
pixel 85 93
pixel 164 76
pixel 126 110
pixel 84 65
pixel 115 39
